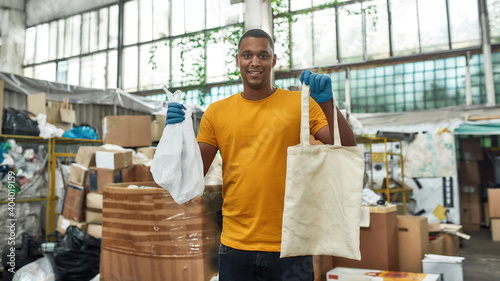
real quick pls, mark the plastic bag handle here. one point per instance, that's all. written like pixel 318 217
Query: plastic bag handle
pixel 175 97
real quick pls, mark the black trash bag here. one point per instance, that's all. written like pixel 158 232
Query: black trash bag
pixel 77 255
pixel 18 122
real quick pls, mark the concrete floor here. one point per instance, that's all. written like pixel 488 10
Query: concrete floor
pixel 482 256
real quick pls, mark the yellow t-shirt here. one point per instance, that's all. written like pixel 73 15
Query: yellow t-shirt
pixel 253 137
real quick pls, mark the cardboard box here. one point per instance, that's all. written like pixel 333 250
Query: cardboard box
pixel 436 245
pixel 147 236
pixel 93 216
pixel 471 149
pixel 358 274
pixel 86 155
pixel 451 244
pixel 156 131
pixel 495 229
pixel 78 174
pixel 149 151
pixel 94 201
pixel 113 159
pixel 63 224
pixel 142 173
pixel 101 177
pixel 74 202
pixel 36 103
pixel 127 131
pixel 58 114
pixel 94 230
pixel 413 240
pixel 494 202
pixel 449 268
pixel 378 243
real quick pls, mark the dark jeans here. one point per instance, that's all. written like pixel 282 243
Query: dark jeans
pixel 239 265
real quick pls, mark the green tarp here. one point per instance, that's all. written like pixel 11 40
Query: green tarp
pixel 478 129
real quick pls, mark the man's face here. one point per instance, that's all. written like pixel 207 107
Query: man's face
pixel 255 59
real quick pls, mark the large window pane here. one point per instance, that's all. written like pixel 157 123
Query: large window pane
pixel 433 33
pixel 146 20
pixel 93 32
pixel 404 27
pixel 465 29
pixel 130 23
pixel 30 45
pixel 377 30
pixel 231 14
pixel 130 68
pixel 213 14
pixel 60 41
pixel 161 19
pixel 216 61
pixel 350 33
pixel 296 5
pixel 45 72
pixel 68 37
pixel 150 77
pixel 113 26
pixel 74 71
pixel 302 47
pixel 494 18
pixel 99 71
pixel 86 71
pixel 53 40
pixel 103 29
pixel 325 51
pixel 195 15
pixel 85 33
pixel 77 21
pixel 42 43
pixel 112 70
pixel 282 43
pixel 178 17
pixel 62 72
pixel 184 66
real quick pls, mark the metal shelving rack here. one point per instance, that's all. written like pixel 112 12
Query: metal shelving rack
pixel 387 190
pixel 52 156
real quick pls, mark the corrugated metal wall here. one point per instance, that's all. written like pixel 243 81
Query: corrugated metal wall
pixel 90 114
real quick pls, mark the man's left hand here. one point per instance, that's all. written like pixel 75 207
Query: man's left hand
pixel 320 84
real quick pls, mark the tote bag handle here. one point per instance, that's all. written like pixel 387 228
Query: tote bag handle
pixel 304 121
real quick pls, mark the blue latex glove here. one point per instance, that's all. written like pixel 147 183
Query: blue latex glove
pixel 320 84
pixel 175 113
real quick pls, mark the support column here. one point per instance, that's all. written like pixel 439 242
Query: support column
pixel 258 14
pixel 488 65
pixel 12 33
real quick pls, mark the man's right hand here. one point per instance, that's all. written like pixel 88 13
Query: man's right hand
pixel 175 113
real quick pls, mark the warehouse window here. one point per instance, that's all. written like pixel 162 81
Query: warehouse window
pixel 82 49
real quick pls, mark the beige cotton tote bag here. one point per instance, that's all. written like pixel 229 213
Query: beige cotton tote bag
pixel 322 195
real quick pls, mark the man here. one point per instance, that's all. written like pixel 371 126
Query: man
pixel 252 130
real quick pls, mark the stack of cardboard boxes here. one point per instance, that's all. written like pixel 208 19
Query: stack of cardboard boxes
pixel 147 236
pixel 59 114
pixel 96 167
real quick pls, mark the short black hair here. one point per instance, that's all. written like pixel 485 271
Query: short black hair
pixel 257 33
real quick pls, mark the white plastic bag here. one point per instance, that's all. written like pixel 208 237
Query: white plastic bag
pixel 177 165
